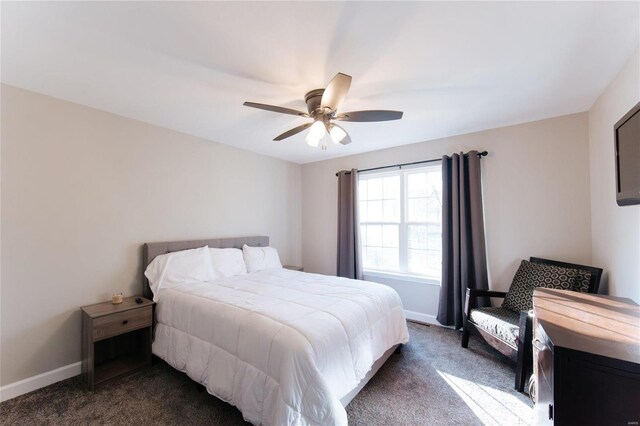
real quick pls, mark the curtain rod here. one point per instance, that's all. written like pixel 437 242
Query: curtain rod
pixel 480 154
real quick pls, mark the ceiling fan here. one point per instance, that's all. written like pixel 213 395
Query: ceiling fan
pixel 323 105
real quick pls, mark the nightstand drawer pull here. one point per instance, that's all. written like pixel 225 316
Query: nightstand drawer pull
pixel 125 322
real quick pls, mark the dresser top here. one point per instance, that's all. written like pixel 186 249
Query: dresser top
pixel 108 308
pixel 603 325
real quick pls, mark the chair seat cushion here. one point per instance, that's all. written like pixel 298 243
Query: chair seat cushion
pixel 531 275
pixel 502 323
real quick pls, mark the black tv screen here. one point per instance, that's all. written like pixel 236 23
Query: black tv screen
pixel 627 144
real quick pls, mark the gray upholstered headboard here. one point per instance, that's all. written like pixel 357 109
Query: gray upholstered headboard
pixel 151 250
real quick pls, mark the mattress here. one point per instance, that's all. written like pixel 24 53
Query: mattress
pixel 283 346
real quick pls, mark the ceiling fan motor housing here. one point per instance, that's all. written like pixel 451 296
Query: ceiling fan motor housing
pixel 313 100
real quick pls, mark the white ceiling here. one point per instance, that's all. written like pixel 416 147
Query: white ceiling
pixel 452 68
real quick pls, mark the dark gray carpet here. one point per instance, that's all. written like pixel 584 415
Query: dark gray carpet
pixel 433 381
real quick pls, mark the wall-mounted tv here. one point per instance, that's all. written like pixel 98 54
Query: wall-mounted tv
pixel 627 145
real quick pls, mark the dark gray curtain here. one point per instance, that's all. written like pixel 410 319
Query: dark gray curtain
pixel 464 258
pixel 349 257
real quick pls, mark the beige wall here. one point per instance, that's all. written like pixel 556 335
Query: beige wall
pixel 83 189
pixel 615 229
pixel 536 194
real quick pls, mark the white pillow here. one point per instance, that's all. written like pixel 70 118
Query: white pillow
pixel 259 258
pixel 227 262
pixel 172 269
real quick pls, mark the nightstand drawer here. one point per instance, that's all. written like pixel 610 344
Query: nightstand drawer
pixel 115 324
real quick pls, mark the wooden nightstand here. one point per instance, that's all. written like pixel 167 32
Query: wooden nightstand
pixel 294 268
pixel 116 339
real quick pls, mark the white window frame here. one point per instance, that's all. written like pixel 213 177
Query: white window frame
pixel 403 274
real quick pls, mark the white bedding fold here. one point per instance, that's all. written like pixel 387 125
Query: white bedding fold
pixel 283 346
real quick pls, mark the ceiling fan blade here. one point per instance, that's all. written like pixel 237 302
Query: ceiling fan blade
pixel 336 91
pixel 292 132
pixel 274 108
pixel 374 115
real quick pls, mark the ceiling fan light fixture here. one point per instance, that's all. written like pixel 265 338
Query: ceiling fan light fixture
pixel 337 134
pixel 316 133
pixel 312 142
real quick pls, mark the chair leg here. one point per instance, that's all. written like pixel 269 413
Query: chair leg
pixel 465 336
pixel 524 359
pixel 469 302
pixel 520 376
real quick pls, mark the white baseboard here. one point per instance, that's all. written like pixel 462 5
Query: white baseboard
pixel 420 317
pixel 41 380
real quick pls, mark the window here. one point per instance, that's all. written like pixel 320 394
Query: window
pixel 400 221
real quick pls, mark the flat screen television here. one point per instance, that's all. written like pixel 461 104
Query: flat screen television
pixel 627 145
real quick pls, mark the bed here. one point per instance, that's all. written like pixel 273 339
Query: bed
pixel 285 347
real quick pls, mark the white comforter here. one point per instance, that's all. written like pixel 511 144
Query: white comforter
pixel 282 346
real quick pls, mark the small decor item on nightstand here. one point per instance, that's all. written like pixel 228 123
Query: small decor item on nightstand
pixel 116 298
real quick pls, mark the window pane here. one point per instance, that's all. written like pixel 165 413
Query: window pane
pixel 391 210
pixel 374 235
pixel 374 191
pixel 363 235
pixel 433 210
pixel 417 210
pixel 390 259
pixel 434 184
pixel 434 262
pixel 418 261
pixel 372 258
pixel 390 236
pixel 362 214
pixel 434 238
pixel 362 189
pixel 417 184
pixel 417 237
pixel 374 211
pixel 391 187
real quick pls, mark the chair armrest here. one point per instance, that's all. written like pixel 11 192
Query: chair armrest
pixel 472 292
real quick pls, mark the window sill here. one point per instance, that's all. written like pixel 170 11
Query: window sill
pixel 401 277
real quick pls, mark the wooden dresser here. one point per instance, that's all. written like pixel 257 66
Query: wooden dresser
pixel 586 352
